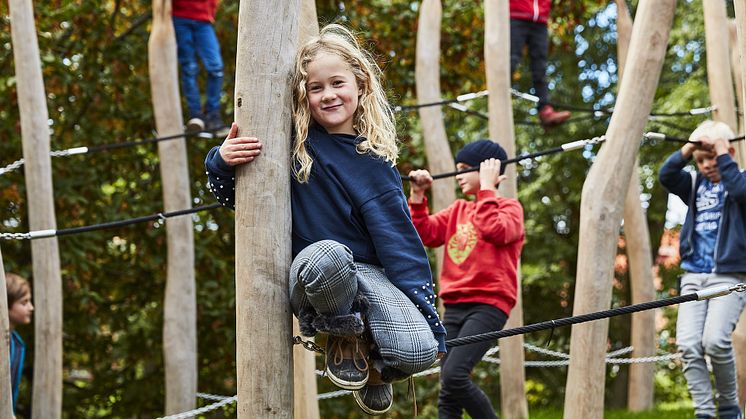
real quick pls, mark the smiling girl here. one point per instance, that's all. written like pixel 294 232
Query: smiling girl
pixel 19 313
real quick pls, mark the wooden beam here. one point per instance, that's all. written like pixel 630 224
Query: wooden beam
pixel 427 76
pixel 719 76
pixel 180 304
pixel 602 204
pixel 497 66
pixel 640 384
pixel 32 102
pixel 305 390
pixel 6 391
pixel 267 43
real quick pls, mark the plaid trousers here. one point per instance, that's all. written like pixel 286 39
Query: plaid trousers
pixel 325 277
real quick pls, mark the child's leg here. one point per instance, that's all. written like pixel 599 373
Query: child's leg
pixel 722 316
pixel 538 48
pixel 186 51
pixel 518 34
pixel 457 390
pixel 689 329
pixel 323 287
pixel 208 49
pixel 404 339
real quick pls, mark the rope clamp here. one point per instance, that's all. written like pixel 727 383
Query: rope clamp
pixel 308 344
pixel 740 287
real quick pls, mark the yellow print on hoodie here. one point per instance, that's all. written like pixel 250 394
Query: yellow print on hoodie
pixel 462 243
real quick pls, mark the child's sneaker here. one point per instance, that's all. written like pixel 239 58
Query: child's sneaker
pixel 347 361
pixel 550 118
pixel 376 397
pixel 214 124
pixel 196 123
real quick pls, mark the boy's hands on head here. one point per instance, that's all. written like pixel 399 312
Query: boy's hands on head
pixel 719 145
pixel 421 180
pixel 239 150
pixel 489 175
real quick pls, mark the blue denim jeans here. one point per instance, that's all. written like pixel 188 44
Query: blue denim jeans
pixel 704 328
pixel 193 38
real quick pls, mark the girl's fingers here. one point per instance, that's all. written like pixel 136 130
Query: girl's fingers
pixel 233 132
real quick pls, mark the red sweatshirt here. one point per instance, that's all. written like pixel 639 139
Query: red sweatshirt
pixel 203 10
pixel 533 10
pixel 483 243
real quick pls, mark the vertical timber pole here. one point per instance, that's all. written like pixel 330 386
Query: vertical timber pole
pixel 305 390
pixel 47 387
pixel 180 305
pixel 6 391
pixel 640 383
pixel 739 335
pixel 735 65
pixel 267 43
pixel 602 203
pixel 719 76
pixel 497 64
pixel 427 76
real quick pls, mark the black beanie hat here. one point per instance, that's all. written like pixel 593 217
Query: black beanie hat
pixel 478 151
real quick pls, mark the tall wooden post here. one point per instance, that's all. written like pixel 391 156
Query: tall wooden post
pixel 719 76
pixel 735 65
pixel 602 204
pixel 427 76
pixel 180 305
pixel 497 63
pixel 267 42
pixel 305 390
pixel 32 102
pixel 640 384
pixel 6 396
pixel 739 335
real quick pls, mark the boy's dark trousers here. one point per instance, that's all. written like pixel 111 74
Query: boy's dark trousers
pixel 457 391
pixel 536 36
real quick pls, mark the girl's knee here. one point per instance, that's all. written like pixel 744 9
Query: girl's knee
pixel 717 346
pixel 320 260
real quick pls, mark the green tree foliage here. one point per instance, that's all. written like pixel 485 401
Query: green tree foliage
pixel 94 58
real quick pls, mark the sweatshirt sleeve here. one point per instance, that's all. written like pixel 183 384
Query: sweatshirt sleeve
pixel 402 255
pixel 674 178
pixel 498 221
pixel 733 179
pixel 221 178
pixel 431 228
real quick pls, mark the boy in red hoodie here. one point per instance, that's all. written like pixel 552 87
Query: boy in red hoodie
pixel 478 282
pixel 528 27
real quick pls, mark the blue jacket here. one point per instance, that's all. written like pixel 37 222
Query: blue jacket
pixel 730 248
pixel 17 355
pixel 357 200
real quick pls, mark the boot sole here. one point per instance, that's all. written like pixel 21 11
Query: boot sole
pixel 368 410
pixel 347 385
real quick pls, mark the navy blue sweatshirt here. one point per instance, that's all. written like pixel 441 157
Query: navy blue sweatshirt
pixel 730 247
pixel 357 200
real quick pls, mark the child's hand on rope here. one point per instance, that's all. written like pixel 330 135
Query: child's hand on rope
pixel 239 150
pixel 489 175
pixel 421 181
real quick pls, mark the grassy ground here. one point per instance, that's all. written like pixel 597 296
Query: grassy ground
pixel 679 413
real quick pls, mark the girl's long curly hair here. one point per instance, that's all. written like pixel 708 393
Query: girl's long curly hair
pixel 373 119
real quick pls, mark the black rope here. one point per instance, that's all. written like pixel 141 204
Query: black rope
pixel 684 140
pixel 551 324
pixel 107 147
pixel 112 224
pixel 502 163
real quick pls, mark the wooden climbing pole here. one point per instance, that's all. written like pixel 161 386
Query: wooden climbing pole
pixel 6 396
pixel 497 63
pixel 427 76
pixel 267 43
pixel 32 102
pixel 602 204
pixel 637 237
pixel 304 362
pixel 180 304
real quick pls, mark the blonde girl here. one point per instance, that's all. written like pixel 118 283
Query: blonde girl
pixel 360 272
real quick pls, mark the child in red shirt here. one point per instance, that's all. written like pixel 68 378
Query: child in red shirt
pixel 478 282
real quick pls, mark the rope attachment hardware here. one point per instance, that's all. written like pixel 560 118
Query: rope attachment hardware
pixel 308 344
